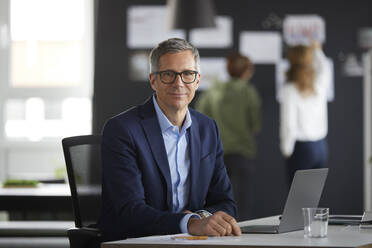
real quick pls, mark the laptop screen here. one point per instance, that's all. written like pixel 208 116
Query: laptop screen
pixel 305 192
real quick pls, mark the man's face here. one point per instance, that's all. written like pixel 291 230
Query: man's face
pixel 178 95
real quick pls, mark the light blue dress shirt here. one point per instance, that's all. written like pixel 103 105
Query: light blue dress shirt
pixel 176 146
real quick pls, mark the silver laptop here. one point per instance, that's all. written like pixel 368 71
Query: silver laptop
pixel 306 190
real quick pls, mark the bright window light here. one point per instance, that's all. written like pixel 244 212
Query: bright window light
pixel 47 20
pixel 50 49
pixel 47 42
pixel 76 120
pixel 46 84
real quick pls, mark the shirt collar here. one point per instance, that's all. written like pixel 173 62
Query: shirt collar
pixel 165 124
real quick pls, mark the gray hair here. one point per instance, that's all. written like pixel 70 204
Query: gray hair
pixel 173 45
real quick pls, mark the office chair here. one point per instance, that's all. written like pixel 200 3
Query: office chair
pixel 83 162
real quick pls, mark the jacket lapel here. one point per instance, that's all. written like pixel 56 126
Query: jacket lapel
pixel 154 137
pixel 194 143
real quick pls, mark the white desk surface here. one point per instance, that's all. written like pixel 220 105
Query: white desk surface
pixel 34 242
pixel 338 236
pixel 40 190
pixel 49 189
pixel 35 228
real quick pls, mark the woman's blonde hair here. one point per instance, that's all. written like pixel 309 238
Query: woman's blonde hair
pixel 301 70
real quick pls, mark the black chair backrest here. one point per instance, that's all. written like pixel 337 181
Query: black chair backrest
pixel 83 163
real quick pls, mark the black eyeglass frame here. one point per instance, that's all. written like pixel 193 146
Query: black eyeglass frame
pixel 176 74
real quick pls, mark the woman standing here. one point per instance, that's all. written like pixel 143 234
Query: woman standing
pixel 303 110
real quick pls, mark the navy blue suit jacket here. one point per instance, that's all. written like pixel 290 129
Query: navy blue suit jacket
pixel 136 182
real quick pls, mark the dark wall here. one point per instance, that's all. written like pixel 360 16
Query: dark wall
pixel 114 92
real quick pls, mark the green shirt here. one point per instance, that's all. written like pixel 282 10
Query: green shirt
pixel 235 106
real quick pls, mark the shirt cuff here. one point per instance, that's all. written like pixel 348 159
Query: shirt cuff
pixel 185 220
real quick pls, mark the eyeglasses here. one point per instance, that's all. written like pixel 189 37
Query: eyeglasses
pixel 168 77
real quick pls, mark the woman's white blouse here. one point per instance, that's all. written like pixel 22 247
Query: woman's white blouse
pixel 304 118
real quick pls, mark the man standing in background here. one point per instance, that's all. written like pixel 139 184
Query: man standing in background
pixel 236 107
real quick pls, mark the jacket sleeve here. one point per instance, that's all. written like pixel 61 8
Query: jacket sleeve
pixel 220 197
pixel 323 72
pixel 204 105
pixel 254 110
pixel 288 121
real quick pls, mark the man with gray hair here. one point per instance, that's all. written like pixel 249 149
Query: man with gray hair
pixel 163 169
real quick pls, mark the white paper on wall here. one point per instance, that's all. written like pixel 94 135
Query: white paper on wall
pixel 139 67
pixel 303 29
pixel 261 47
pixel 220 36
pixel 148 25
pixel 212 70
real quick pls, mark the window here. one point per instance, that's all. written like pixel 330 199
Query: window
pixel 46 48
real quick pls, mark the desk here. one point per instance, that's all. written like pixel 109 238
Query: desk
pixel 35 228
pixel 34 242
pixel 38 234
pixel 338 236
pixel 45 197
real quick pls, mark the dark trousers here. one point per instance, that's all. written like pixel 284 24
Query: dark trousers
pixel 307 155
pixel 241 171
